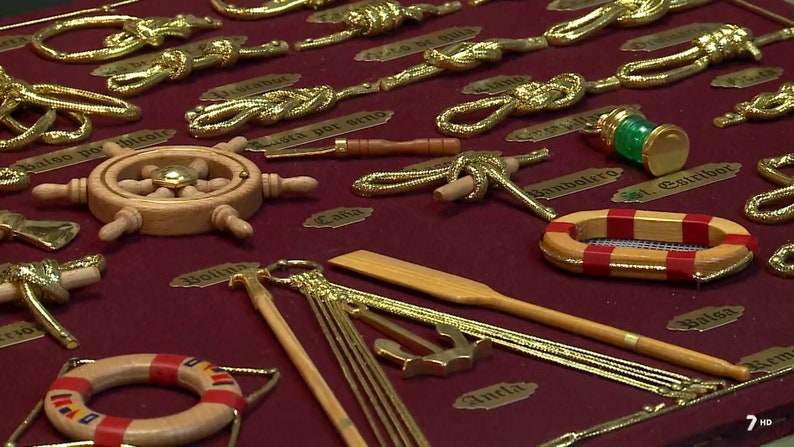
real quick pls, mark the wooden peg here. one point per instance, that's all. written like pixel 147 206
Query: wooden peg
pixel 465 185
pixel 273 185
pixel 75 191
pixel 226 218
pixel 236 145
pixel 161 193
pixel 190 192
pixel 70 279
pixel 201 167
pixel 111 149
pixel 146 170
pixel 140 187
pixel 126 220
pixel 212 184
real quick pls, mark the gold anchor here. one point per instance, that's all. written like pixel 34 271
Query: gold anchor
pixel 433 359
pixel 46 234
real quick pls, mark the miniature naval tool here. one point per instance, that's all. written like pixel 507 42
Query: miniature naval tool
pixel 175 190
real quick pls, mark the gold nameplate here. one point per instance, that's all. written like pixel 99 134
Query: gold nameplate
pixel 212 275
pixel 19 332
pixel 496 84
pixel 747 77
pixel 561 126
pixel 770 360
pixel 572 183
pixel 335 15
pixel 318 131
pixel 337 217
pixel 664 39
pixel 8 43
pixel 573 5
pixel 495 396
pixel 706 318
pixel 142 62
pixel 250 87
pixel 677 182
pixel 418 44
pixel 91 151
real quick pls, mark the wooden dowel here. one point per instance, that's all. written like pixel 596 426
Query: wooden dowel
pixel 70 279
pixel 461 290
pixel 263 302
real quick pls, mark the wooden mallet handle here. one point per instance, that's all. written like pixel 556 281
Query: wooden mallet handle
pixel 377 147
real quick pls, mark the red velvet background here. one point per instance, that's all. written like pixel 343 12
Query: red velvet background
pixel 134 310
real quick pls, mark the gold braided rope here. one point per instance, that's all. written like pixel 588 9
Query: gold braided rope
pixel 313 284
pixel 765 106
pixel 725 43
pixel 376 18
pixel 13 179
pixel 73 103
pixel 268 108
pixel 267 9
pixel 136 34
pixel 175 64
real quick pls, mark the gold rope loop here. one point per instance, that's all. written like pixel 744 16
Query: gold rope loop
pixel 619 12
pixel 13 179
pixel 267 108
pixel 724 43
pixel 562 91
pixel 765 106
pixel 44 277
pixel 780 262
pixel 769 169
pixel 268 9
pixel 136 34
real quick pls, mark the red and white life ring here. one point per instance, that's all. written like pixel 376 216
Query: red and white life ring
pixel 729 245
pixel 65 402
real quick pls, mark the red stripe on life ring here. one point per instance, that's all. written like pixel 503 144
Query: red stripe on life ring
pixel 78 384
pixel 620 224
pixel 228 398
pixel 164 369
pixel 742 239
pixel 561 227
pixel 110 431
pixel 595 260
pixel 695 229
pixel 680 265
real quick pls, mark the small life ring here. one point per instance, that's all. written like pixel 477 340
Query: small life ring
pixel 728 247
pixel 221 399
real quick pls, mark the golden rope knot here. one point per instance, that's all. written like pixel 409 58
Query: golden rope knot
pixel 726 43
pixel 769 105
pixel 464 56
pixel 376 18
pixel 44 277
pixel 13 179
pixel 154 30
pixel 177 63
pixel 225 49
pixel 561 91
pixel 481 166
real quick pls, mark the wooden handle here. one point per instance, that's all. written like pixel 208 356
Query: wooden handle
pixel 263 302
pixel 461 290
pixel 76 191
pixel 126 220
pixel 377 147
pixel 226 218
pixel 273 185
pixel 70 279
pixel 465 185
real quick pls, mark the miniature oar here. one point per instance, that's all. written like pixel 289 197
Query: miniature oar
pixel 461 290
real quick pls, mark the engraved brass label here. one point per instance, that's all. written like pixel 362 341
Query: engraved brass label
pixel 142 62
pixel 418 44
pixel 8 43
pixel 211 275
pixel 747 77
pixel 91 151
pixel 335 15
pixel 19 332
pixel 496 84
pixel 664 39
pixel 572 183
pixel 319 131
pixel 572 5
pixel 561 126
pixel 337 217
pixel 250 87
pixel 706 318
pixel 770 360
pixel 677 182
pixel 495 396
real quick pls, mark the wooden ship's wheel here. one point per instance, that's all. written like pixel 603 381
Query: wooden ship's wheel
pixel 175 190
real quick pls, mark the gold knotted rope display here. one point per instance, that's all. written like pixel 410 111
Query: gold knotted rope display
pixel 725 43
pixel 267 108
pixel 769 169
pixel 136 34
pixel 73 103
pixel 376 18
pixel 13 179
pixel 175 64
pixel 480 168
pixel 267 9
pixel 763 107
pixel 41 281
